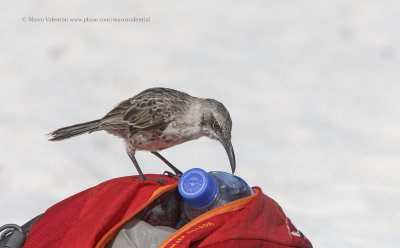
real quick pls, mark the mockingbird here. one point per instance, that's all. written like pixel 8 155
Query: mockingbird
pixel 159 118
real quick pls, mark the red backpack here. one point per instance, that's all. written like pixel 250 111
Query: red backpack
pixel 93 217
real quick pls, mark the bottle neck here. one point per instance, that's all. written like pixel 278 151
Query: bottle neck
pixel 214 199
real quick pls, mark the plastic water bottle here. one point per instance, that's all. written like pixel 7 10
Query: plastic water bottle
pixel 204 191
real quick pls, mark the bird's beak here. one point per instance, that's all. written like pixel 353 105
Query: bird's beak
pixel 229 150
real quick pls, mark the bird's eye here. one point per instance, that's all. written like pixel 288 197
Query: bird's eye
pixel 216 125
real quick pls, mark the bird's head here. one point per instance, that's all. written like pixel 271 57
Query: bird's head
pixel 216 123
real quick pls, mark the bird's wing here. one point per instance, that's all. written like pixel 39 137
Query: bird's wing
pixel 144 111
pixel 114 118
pixel 147 114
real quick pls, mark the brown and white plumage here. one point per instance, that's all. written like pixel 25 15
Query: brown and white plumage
pixel 158 118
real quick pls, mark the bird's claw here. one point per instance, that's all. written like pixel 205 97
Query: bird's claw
pixel 143 179
pixel 174 176
pixel 140 178
pixel 159 180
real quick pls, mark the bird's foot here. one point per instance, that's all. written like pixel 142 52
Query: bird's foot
pixel 140 178
pixel 143 178
pixel 170 174
pixel 160 180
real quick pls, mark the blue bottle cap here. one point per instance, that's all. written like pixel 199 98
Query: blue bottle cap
pixel 197 187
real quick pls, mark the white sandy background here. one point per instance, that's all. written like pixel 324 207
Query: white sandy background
pixel 312 87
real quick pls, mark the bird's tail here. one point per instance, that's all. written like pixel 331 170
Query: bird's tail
pixel 71 131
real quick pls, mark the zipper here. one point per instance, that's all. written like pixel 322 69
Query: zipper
pixel 111 233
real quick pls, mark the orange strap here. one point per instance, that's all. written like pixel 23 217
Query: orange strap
pixel 229 207
pixel 112 232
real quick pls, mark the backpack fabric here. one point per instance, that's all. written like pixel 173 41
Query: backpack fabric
pixel 93 217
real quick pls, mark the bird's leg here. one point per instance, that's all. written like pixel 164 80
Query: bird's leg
pixel 131 153
pixel 176 170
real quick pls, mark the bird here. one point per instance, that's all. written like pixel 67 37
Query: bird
pixel 157 119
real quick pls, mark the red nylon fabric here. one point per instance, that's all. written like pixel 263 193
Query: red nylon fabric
pixel 262 223
pixel 83 219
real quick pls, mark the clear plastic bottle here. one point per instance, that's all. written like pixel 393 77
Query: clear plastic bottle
pixel 204 191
